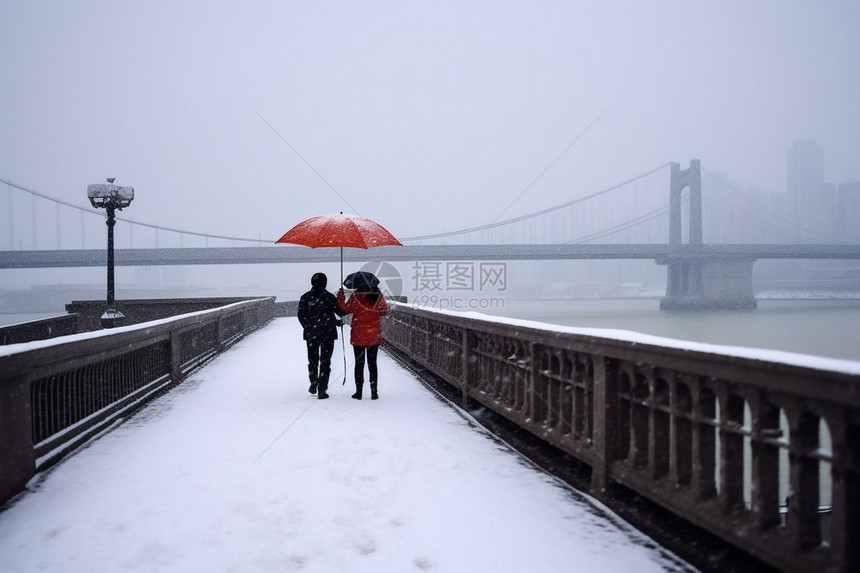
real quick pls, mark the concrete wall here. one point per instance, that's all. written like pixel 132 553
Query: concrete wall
pixel 39 329
pixel 143 310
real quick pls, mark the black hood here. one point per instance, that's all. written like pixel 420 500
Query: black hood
pixel 319 281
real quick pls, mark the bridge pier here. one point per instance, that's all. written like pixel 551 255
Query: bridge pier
pixel 709 284
pixel 698 280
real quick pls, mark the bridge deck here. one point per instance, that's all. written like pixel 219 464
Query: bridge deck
pixel 240 469
pixel 293 254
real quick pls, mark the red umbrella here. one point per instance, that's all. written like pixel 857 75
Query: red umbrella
pixel 339 231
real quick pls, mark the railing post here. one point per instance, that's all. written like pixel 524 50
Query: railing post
pixel 704 444
pixel 765 460
pixel 219 333
pixel 18 463
pixel 731 452
pixel 845 524
pixel 531 384
pixel 681 432
pixel 803 519
pixel 605 414
pixel 466 371
pixel 175 358
pixel 659 428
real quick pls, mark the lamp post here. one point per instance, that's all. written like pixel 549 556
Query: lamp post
pixel 111 198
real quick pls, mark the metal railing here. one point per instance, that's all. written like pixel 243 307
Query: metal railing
pixel 56 396
pixel 745 448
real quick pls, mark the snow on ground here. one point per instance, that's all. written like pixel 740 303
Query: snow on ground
pixel 240 469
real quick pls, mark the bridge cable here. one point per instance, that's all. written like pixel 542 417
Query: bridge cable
pixel 778 219
pixel 536 213
pixel 547 168
pixel 775 229
pixel 324 180
pixel 126 219
pixel 650 216
pixel 493 225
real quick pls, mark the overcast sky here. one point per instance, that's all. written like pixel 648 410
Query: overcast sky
pixel 427 116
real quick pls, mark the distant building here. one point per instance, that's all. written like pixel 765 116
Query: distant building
pixel 848 212
pixel 817 217
pixel 781 230
pixel 805 170
pixel 734 214
pixel 777 205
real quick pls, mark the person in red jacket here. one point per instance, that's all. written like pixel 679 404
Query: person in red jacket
pixel 367 306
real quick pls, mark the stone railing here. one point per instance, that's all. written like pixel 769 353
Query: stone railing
pixel 136 311
pixel 57 394
pixel 42 329
pixel 762 453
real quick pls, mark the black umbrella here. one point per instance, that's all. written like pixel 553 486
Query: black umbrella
pixel 361 280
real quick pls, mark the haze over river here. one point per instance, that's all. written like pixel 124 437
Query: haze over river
pixel 808 326
pixel 820 327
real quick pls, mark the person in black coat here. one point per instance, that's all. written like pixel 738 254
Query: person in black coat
pixel 318 314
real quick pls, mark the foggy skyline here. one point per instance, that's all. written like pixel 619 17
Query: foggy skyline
pixel 425 116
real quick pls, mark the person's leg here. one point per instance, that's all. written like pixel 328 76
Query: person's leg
pixel 359 370
pixel 372 351
pixel 326 351
pixel 313 365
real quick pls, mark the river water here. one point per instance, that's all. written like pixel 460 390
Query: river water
pixel 828 328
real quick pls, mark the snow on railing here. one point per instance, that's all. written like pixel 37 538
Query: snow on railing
pixel 56 394
pixel 749 447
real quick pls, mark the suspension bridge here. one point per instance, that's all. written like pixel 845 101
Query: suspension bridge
pixel 671 425
pixel 707 229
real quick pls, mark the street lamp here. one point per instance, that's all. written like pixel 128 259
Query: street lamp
pixel 111 198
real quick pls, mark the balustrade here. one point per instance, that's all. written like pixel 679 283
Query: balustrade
pixel 56 396
pixel 765 455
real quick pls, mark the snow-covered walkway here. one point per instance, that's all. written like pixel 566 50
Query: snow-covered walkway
pixel 240 469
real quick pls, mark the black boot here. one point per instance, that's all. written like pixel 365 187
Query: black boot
pixel 357 394
pixel 313 388
pixel 373 394
pixel 322 394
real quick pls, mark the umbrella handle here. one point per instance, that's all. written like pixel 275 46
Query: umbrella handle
pixel 343 347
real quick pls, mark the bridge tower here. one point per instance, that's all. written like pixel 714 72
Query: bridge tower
pixel 697 279
pixel 679 180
